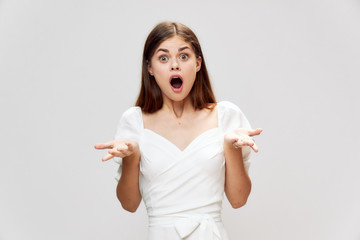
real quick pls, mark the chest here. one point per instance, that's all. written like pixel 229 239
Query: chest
pixel 181 132
pixel 160 157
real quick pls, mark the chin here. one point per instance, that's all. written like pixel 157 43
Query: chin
pixel 177 97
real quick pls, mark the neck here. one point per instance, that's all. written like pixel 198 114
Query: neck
pixel 178 107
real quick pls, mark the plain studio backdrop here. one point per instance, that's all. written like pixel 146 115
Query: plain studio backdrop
pixel 69 69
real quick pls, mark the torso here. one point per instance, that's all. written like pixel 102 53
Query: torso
pixel 181 131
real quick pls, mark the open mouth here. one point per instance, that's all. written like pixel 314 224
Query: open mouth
pixel 176 82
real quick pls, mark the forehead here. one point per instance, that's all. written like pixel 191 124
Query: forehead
pixel 174 43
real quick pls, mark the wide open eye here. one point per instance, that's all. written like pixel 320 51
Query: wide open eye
pixel 163 58
pixel 184 56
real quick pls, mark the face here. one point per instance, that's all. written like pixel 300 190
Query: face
pixel 174 66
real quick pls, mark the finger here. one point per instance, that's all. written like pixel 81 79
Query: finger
pixel 122 147
pixel 121 150
pixel 245 142
pixel 125 153
pixel 107 157
pixel 115 152
pixel 130 146
pixel 250 143
pixel 240 142
pixel 255 147
pixel 254 132
pixel 129 150
pixel 104 145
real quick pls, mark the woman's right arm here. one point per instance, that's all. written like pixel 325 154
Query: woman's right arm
pixel 127 190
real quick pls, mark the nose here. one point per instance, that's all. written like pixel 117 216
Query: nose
pixel 175 65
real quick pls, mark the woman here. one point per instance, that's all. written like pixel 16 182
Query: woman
pixel 180 149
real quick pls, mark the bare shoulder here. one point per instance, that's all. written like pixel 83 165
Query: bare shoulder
pixel 210 108
pixel 155 121
pixel 148 118
pixel 208 115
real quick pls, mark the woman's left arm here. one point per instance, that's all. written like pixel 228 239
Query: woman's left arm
pixel 237 181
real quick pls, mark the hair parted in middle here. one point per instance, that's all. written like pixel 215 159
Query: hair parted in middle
pixel 150 97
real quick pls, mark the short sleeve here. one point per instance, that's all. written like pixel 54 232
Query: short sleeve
pixel 231 118
pixel 129 127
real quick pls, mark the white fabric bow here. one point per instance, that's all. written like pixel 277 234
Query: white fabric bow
pixel 206 224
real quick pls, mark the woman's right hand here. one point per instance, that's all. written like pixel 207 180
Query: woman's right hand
pixel 118 148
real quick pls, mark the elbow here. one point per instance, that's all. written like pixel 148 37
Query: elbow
pixel 240 199
pixel 238 204
pixel 131 209
pixel 128 203
pixel 129 206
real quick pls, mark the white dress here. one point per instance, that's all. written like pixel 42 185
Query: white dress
pixel 183 190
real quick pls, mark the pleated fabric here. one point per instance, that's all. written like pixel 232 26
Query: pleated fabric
pixel 183 189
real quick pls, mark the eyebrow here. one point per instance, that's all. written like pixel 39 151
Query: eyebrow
pixel 179 50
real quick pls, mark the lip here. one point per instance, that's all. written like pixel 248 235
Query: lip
pixel 177 90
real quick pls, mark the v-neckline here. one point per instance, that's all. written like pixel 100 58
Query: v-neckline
pixel 192 141
pixel 175 146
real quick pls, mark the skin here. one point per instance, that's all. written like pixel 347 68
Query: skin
pixel 168 61
pixel 180 123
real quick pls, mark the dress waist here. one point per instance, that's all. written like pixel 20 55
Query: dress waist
pixel 186 224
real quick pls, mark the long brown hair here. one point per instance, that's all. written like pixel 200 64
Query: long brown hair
pixel 150 97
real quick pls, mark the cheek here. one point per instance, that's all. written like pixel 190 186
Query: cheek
pixel 190 70
pixel 192 65
pixel 160 76
pixel 159 69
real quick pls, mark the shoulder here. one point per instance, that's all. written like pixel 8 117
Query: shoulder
pixel 130 124
pixel 132 112
pixel 131 115
pixel 231 116
pixel 226 106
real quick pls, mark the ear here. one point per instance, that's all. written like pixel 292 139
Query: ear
pixel 149 68
pixel 198 63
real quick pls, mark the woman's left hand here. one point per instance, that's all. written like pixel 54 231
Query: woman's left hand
pixel 242 137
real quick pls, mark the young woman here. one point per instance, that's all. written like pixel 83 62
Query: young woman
pixel 179 149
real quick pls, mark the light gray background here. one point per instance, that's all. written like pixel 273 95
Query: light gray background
pixel 69 69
